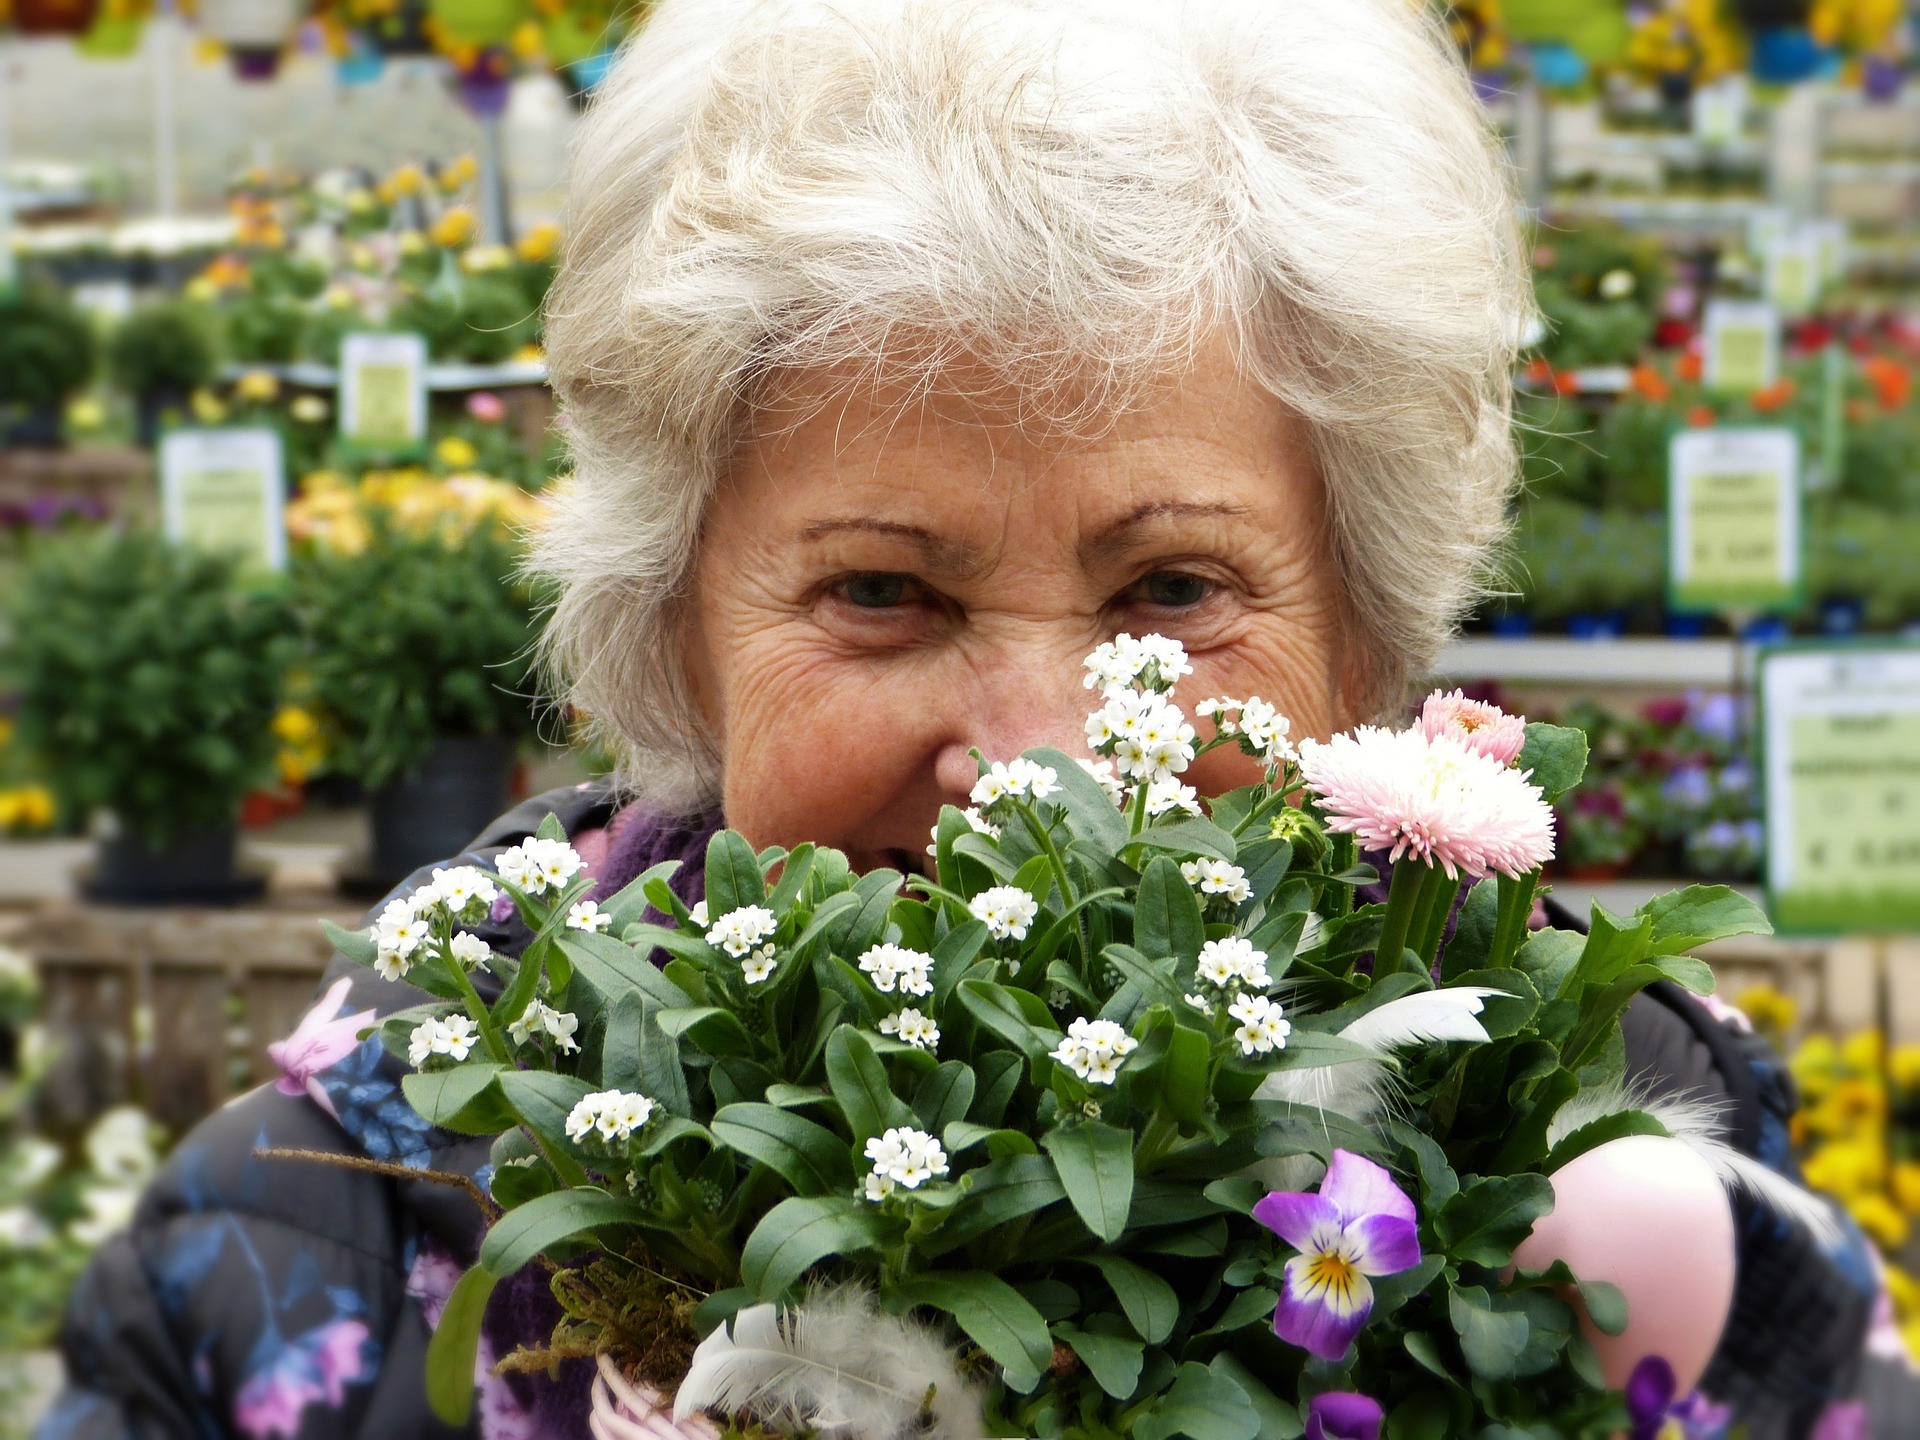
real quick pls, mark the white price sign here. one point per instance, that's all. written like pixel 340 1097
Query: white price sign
pixel 1733 519
pixel 1742 345
pixel 383 389
pixel 226 490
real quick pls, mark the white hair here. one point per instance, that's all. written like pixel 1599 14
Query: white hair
pixel 1078 194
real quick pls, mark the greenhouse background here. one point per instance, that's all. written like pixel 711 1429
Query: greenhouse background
pixel 274 427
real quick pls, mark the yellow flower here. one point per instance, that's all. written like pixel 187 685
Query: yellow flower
pixel 261 387
pixel 1903 1065
pixel 1904 1290
pixel 454 229
pixel 1878 1217
pixel 1770 1009
pixel 339 296
pixel 1813 1065
pixel 207 408
pixel 1861 1051
pixel 202 290
pixel 407 180
pixel 412 242
pixel 308 409
pixel 539 244
pixel 528 43
pixel 456 453
pixel 86 413
pixel 27 807
pixel 486 257
pixel 1906 1186
pixel 530 355
pixel 462 171
pixel 1846 1169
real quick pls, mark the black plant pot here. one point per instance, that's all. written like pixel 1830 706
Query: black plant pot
pixel 195 868
pixel 433 811
pixel 38 428
pixel 156 406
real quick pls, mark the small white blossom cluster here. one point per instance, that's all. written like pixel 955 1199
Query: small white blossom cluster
pixel 1259 727
pixel 892 967
pixel 452 1036
pixel 537 865
pixel 738 931
pixel 980 824
pixel 1007 910
pixel 1167 795
pixel 1102 772
pixel 1153 662
pixel 912 1028
pixel 462 892
pixel 1218 877
pixel 1263 1028
pixel 697 915
pixel 471 951
pixel 902 1156
pixel 465 890
pixel 1095 1049
pixel 611 1115
pixel 1020 779
pixel 587 916
pixel 540 1018
pixel 397 935
pixel 1146 735
pixel 1233 962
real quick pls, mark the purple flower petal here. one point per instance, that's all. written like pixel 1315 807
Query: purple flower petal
pixel 1294 1216
pixel 1319 1317
pixel 1383 1244
pixel 1343 1415
pixel 1650 1390
pixel 1359 1187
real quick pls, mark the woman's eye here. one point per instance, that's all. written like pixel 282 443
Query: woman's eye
pixel 875 591
pixel 1173 589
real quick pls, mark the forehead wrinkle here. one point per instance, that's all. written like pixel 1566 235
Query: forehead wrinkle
pixel 1122 534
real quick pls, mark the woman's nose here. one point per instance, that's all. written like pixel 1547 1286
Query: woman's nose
pixel 1004 722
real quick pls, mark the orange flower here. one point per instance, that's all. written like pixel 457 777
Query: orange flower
pixel 1774 397
pixel 1649 384
pixel 1539 372
pixel 1890 380
pixel 1701 416
pixel 1690 367
pixel 1565 382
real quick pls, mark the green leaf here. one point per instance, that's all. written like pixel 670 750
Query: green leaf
pixel 1113 1360
pixel 550 828
pixel 944 1096
pixel 1004 1190
pixel 859 1082
pixel 801 1231
pixel 1156 979
pixel 455 1346
pixel 1190 837
pixel 1491 1340
pixel 1091 814
pixel 1254 1303
pixel 953 955
pixel 1488 1218
pixel 1596 1133
pixel 1606 1306
pixel 1278 1420
pixel 620 1048
pixel 631 902
pixel 356 945
pixel 1423 1415
pixel 1556 755
pixel 1095 1162
pixel 661 1074
pixel 1019 1017
pixel 716 1031
pixel 1150 1303
pixel 1183 1086
pixel 1166 914
pixel 463 1099
pixel 1684 920
pixel 809 1157
pixel 544 1100
pixel 733 875
pixel 1202 1405
pixel 996 1317
pixel 614 968
pixel 537 1226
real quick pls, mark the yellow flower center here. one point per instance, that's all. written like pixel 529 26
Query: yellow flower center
pixel 1333 1271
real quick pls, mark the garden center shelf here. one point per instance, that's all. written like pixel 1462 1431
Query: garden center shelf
pixel 439 377
pixel 1639 664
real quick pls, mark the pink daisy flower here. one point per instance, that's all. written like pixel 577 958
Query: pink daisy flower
pixel 1431 798
pixel 1483 728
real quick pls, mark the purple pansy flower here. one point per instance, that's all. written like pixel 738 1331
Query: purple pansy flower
pixel 1656 1415
pixel 323 1038
pixel 1343 1415
pixel 1360 1224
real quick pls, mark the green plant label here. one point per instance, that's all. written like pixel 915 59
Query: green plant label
pixel 1742 346
pixel 1796 272
pixel 224 489
pixel 1733 519
pixel 383 389
pixel 1840 730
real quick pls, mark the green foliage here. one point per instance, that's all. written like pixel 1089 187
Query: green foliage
pixel 47 349
pixel 1570 560
pixel 162 347
pixel 1599 289
pixel 148 677
pixel 420 635
pixel 1102 1216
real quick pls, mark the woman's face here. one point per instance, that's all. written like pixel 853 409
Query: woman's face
pixel 888 584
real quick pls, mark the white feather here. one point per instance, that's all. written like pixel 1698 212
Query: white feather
pixel 1446 1014
pixel 837 1364
pixel 1697 1124
pixel 1353 1088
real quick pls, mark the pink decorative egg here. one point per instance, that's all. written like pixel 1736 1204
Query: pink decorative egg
pixel 1648 1215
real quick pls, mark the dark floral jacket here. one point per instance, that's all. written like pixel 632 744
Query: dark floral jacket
pixel 281 1300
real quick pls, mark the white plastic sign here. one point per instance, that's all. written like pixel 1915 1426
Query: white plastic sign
pixel 1840 735
pixel 1742 345
pixel 1733 519
pixel 1797 271
pixel 225 489
pixel 383 389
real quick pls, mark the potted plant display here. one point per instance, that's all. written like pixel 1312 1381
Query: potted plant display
pixel 149 676
pixel 419 633
pixel 160 356
pixel 46 355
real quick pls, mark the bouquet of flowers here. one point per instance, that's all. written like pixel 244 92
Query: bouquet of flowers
pixel 1124 1119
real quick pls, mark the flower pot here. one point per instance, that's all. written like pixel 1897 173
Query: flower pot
pixel 38 428
pixel 164 404
pixel 435 809
pixel 54 17
pixel 194 868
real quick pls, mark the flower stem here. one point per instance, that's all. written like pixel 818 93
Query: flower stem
pixel 1510 924
pixel 1435 907
pixel 1403 901
pixel 476 1007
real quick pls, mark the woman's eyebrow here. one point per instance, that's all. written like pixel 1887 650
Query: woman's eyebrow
pixel 1122 534
pixel 940 553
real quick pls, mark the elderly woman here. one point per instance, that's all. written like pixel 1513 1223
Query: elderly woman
pixel 909 349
